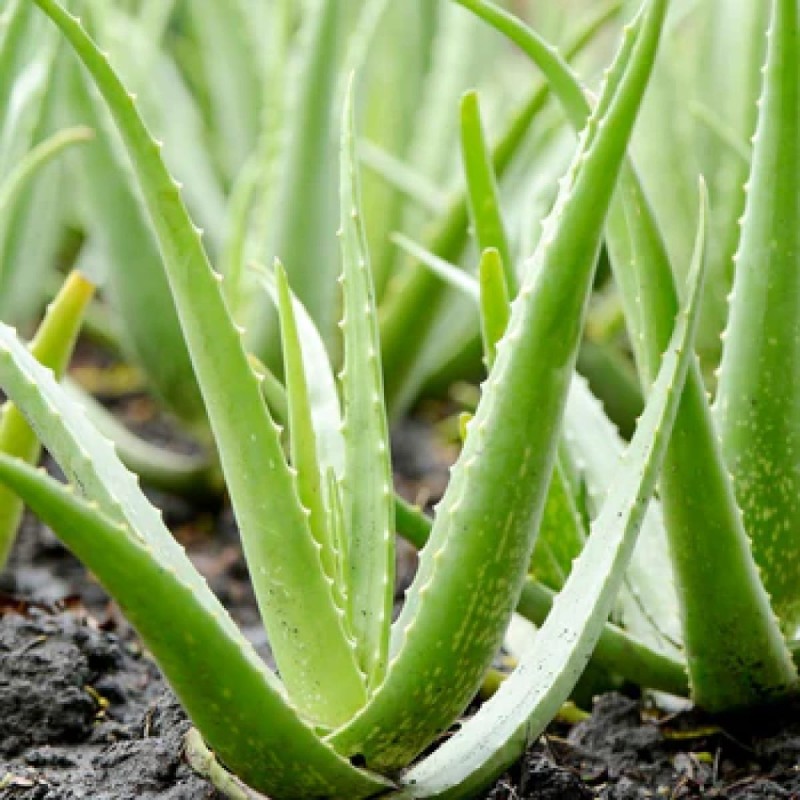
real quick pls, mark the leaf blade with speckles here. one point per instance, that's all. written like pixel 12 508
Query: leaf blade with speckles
pixel 758 403
pixel 736 652
pixel 518 713
pixel 366 486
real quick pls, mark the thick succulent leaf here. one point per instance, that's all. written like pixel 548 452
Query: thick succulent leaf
pixel 304 626
pixel 735 649
pixel 526 702
pixel 229 693
pixel 302 438
pixel 398 57
pixel 726 88
pixel 171 111
pixel 484 201
pixel 52 346
pixel 647 604
pixel 494 302
pixel 326 411
pixel 31 227
pixel 475 563
pixel 758 402
pixel 366 486
pixel 618 650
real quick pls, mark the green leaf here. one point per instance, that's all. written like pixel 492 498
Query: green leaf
pixel 414 304
pixel 137 287
pixel 484 202
pixel 758 402
pixel 326 411
pixel 517 714
pixel 494 301
pixel 303 441
pixel 366 486
pixel 303 209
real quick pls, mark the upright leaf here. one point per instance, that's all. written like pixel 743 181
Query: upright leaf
pixel 367 483
pixel 758 404
pixel 517 714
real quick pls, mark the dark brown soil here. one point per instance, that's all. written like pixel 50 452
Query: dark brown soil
pixel 85 714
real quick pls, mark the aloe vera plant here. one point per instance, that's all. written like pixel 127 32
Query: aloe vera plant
pixel 732 567
pixel 359 698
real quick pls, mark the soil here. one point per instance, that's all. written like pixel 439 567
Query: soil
pixel 84 713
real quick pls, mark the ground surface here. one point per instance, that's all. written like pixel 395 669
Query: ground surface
pixel 85 714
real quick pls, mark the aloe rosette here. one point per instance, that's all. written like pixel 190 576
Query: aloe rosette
pixel 727 485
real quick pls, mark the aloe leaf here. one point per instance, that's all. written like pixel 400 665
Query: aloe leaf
pixel 229 693
pixel 398 57
pixel 171 111
pixel 413 304
pixel 303 442
pixel 482 188
pixel 758 402
pixel 52 346
pixel 494 292
pixel 618 650
pixel 647 604
pixel 31 227
pixel 304 626
pixel 367 482
pixel 726 87
pixel 549 669
pixel 326 411
pixel 735 650
pixel 475 563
